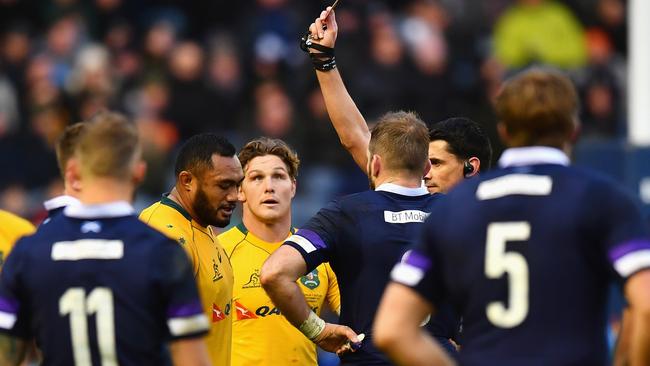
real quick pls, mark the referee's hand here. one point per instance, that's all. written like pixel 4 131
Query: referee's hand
pixel 336 338
pixel 324 29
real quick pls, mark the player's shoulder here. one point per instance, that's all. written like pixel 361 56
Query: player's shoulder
pixel 230 238
pixel 169 221
pixel 15 224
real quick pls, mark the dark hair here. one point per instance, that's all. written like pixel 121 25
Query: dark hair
pixel 465 138
pixel 196 153
pixel 67 144
pixel 401 139
pixel 538 107
pixel 267 146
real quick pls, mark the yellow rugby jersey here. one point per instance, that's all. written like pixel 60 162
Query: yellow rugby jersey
pixel 212 270
pixel 261 336
pixel 12 228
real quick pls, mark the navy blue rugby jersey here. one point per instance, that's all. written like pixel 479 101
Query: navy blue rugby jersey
pixel 56 205
pixel 362 236
pixel 525 254
pixel 97 286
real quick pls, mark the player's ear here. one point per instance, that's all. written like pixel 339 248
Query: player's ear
pixel 375 165
pixel 185 180
pixel 241 196
pixel 294 185
pixel 72 175
pixel 476 165
pixel 427 168
pixel 139 172
pixel 503 132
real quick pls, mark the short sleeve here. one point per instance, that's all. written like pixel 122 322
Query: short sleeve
pixel 333 292
pixel 180 298
pixel 316 241
pixel 625 233
pixel 14 319
pixel 418 268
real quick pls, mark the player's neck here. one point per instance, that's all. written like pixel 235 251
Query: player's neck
pixel 105 190
pixel 399 179
pixel 272 232
pixel 184 201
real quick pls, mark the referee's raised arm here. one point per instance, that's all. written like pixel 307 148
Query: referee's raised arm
pixel 348 122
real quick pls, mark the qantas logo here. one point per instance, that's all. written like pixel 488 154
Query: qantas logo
pixel 217 314
pixel 242 312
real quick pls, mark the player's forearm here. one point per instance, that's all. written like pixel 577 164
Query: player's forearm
pixel 287 296
pixel 415 349
pixel 189 352
pixel 348 122
pixel 12 350
pixel 621 354
pixel 639 350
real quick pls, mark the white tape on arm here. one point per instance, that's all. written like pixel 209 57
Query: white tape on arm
pixel 313 326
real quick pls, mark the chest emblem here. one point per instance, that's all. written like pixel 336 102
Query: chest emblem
pixel 217 274
pixel 254 280
pixel 310 280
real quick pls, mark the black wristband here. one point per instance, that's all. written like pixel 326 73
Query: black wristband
pixel 324 59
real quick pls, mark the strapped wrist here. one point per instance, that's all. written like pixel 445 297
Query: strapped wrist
pixel 324 59
pixel 313 326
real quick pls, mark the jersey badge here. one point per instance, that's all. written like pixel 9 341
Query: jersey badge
pixel 91 226
pixel 217 274
pixel 310 280
pixel 254 281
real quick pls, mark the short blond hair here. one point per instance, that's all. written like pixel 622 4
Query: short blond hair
pixel 538 107
pixel 108 147
pixel 263 146
pixel 402 140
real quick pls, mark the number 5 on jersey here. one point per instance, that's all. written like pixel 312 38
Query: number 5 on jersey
pixel 498 262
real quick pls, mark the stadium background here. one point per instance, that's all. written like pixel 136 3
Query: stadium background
pixel 234 68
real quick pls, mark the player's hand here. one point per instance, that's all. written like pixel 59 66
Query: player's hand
pixel 336 338
pixel 324 29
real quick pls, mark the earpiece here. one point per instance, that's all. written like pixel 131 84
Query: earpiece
pixel 468 169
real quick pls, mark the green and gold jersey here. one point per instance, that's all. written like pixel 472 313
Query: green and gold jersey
pixel 261 335
pixel 212 271
pixel 12 228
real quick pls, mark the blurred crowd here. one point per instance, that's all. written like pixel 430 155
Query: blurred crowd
pixel 180 67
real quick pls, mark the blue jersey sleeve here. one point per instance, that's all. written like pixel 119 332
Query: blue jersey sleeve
pixel 419 267
pixel 173 274
pixel 624 233
pixel 13 312
pixel 317 239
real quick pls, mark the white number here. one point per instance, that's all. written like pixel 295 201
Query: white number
pixel 498 262
pixel 100 302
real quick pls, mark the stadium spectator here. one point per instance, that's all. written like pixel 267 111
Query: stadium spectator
pixel 539 31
